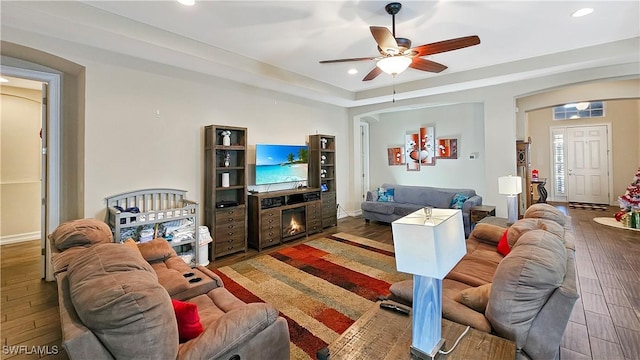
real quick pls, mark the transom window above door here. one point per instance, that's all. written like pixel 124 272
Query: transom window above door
pixel 580 110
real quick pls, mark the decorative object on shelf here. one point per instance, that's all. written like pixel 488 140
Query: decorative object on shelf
pixel 629 202
pixel 323 158
pixel 227 159
pixel 323 143
pixel 323 173
pixel 428 246
pixel 225 179
pixel 447 149
pixel 510 186
pixel 226 137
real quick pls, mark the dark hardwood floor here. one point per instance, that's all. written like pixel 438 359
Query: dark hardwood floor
pixel 604 325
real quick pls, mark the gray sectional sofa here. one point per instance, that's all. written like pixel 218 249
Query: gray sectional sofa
pixel 407 199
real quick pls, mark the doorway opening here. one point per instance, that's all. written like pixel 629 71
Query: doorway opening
pixel 50 163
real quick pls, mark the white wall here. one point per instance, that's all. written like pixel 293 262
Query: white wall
pixel 503 124
pixel 129 146
pixel 464 122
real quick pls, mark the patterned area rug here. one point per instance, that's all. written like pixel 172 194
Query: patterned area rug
pixel 588 206
pixel 320 287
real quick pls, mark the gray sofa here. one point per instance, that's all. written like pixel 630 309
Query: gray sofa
pixel 408 199
pixel 526 296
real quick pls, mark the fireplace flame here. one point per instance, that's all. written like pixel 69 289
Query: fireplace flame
pixel 294 226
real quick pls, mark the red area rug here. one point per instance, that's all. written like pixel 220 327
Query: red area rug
pixel 320 287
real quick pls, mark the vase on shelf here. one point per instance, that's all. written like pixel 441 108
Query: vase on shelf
pixel 225 179
pixel 226 138
pixel 227 159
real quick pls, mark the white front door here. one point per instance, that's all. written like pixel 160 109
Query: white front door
pixel 587 164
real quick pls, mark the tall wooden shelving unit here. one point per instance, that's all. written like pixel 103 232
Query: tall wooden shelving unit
pixel 322 174
pixel 523 166
pixel 225 205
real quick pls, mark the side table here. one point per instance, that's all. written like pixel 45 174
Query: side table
pixel 480 212
pixel 542 192
pixel 386 335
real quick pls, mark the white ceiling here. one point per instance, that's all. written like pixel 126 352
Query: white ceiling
pixel 277 44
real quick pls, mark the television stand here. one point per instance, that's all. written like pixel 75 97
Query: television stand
pixel 276 217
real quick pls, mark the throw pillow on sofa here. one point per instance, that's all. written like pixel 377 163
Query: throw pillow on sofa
pixel 475 297
pixel 386 194
pixel 188 319
pixel 503 245
pixel 458 201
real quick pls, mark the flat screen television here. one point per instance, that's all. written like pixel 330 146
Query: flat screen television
pixel 281 163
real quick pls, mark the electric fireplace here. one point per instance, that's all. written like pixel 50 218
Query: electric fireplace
pixel 293 222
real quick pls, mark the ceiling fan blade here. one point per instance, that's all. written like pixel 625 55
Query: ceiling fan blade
pixel 372 74
pixel 446 45
pixel 346 60
pixel 427 65
pixel 385 39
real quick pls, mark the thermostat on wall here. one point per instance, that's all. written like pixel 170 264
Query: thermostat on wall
pixel 473 156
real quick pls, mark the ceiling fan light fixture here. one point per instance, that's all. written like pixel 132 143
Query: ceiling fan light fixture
pixel 394 65
pixel 582 106
pixel 582 12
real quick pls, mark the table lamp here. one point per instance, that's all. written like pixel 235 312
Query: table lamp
pixel 428 245
pixel 510 186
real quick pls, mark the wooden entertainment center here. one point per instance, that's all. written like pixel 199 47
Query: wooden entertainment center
pixel 264 219
pixel 279 216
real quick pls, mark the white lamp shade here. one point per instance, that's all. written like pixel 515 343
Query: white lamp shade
pixel 510 185
pixel 429 246
pixel 394 65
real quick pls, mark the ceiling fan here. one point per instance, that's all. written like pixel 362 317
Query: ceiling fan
pixel 396 54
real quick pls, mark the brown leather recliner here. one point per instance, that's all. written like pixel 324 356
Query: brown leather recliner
pixel 114 304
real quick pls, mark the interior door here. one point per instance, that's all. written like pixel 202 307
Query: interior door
pixel 588 165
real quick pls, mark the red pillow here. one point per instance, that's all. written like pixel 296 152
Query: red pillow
pixel 189 325
pixel 503 244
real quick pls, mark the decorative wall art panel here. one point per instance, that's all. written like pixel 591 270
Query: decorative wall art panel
pixel 412 152
pixel 447 148
pixel 396 155
pixel 427 146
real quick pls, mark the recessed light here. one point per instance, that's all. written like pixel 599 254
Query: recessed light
pixel 582 12
pixel 187 2
pixel 352 71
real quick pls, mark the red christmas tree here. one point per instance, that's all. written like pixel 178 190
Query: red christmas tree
pixel 631 198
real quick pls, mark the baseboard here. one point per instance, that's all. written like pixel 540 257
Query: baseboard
pixel 12 239
pixel 344 214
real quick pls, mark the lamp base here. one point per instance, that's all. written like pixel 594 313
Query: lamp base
pixel 419 354
pixel 512 209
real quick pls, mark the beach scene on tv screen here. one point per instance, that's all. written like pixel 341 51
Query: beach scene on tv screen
pixel 281 163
